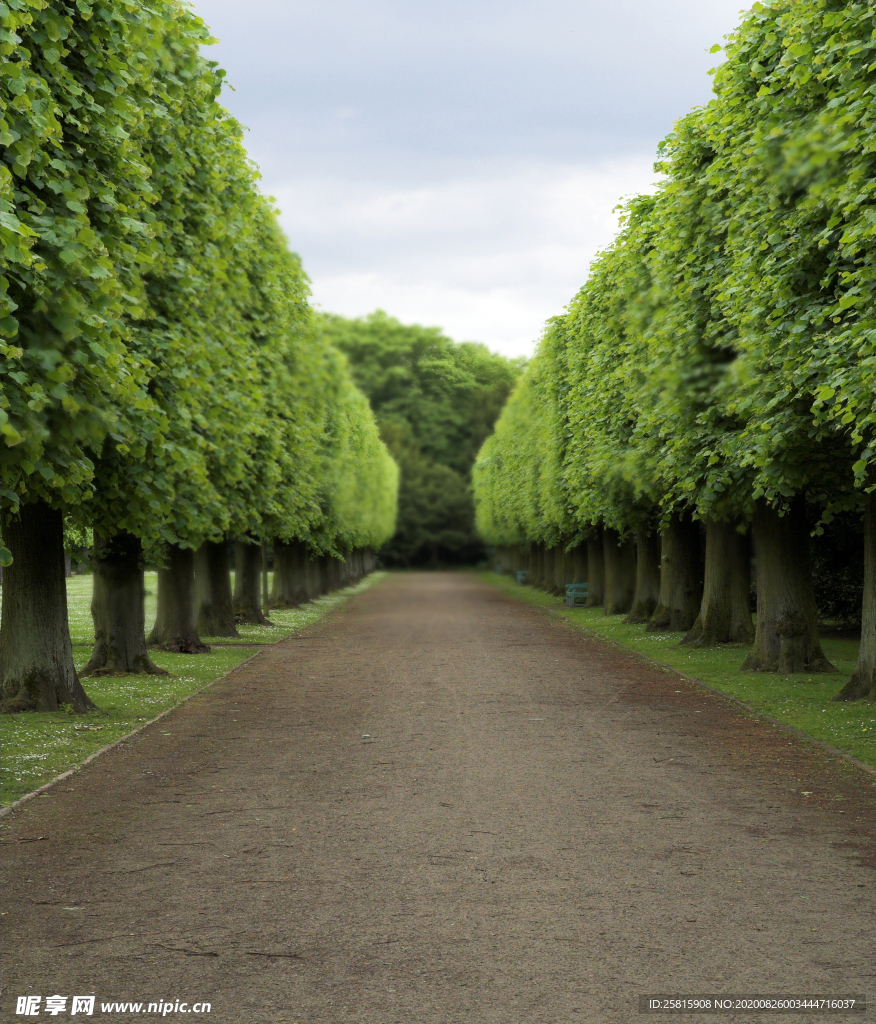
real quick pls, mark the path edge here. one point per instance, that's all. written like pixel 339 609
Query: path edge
pixel 556 613
pixel 9 808
pixel 122 739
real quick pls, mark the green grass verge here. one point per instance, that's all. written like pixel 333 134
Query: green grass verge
pixel 802 701
pixel 39 746
pixel 285 621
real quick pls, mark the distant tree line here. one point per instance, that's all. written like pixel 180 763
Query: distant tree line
pixel 164 382
pixel 435 401
pixel 714 381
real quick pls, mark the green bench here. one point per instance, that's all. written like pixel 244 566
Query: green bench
pixel 576 594
pixel 521 576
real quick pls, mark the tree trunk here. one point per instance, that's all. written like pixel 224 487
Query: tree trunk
pixel 863 681
pixel 681 580
pixel 518 559
pixel 547 576
pixel 619 559
pixel 290 575
pixel 36 656
pixel 247 573
pixel 536 566
pixel 314 577
pixel 117 607
pixel 595 570
pixel 266 600
pixel 725 612
pixel 532 578
pixel 315 583
pixel 325 574
pixel 214 605
pixel 175 628
pixel 578 559
pixel 786 639
pixel 560 560
pixel 647 592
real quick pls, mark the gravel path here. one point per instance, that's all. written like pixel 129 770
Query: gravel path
pixel 439 806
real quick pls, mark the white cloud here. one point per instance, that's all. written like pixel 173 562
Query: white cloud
pixel 458 163
pixel 488 256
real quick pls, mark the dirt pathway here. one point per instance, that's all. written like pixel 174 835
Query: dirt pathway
pixel 443 806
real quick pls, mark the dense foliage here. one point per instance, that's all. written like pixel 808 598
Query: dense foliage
pixel 435 401
pixel 724 347
pixel 722 355
pixel 162 371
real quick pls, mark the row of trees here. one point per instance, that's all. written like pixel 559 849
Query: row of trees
pixel 164 382
pixel 435 401
pixel 715 378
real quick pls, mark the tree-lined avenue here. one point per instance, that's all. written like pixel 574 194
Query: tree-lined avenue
pixel 443 805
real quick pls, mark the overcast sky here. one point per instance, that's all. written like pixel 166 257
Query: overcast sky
pixel 457 162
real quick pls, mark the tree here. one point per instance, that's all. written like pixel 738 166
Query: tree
pixel 719 361
pixel 72 160
pixel 435 403
pixel 166 383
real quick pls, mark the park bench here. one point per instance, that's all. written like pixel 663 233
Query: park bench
pixel 576 594
pixel 521 576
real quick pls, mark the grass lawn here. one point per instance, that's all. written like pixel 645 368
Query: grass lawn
pixel 799 700
pixel 39 746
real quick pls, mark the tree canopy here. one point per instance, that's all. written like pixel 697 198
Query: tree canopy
pixel 720 361
pixel 723 348
pixel 435 401
pixel 163 371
